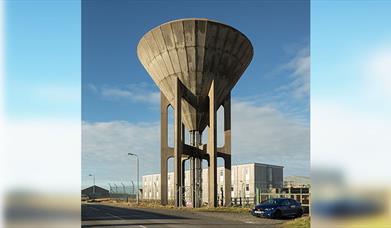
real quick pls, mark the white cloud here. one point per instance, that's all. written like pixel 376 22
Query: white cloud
pixel 137 93
pixel 264 134
pixel 260 134
pixel 106 144
pixel 92 87
pixel 299 69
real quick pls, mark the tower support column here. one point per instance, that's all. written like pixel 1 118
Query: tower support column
pixel 227 151
pixel 164 149
pixel 195 171
pixel 178 145
pixel 212 147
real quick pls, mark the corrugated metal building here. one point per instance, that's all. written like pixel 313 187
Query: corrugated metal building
pixel 95 192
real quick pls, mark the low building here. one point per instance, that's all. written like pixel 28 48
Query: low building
pixel 246 181
pixel 95 192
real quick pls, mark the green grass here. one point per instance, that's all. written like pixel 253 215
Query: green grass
pixel 303 222
pixel 157 205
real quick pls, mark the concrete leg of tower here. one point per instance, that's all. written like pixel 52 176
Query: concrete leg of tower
pixel 212 147
pixel 178 145
pixel 227 151
pixel 195 171
pixel 183 190
pixel 227 181
pixel 184 159
pixel 163 179
pixel 198 181
pixel 164 149
pixel 192 181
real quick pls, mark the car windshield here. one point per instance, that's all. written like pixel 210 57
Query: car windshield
pixel 270 201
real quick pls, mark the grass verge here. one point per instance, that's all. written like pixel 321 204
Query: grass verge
pixel 241 210
pixel 303 222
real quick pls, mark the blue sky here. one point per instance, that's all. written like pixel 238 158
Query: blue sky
pixel 111 33
pixel 48 66
pixel 350 88
pixel 120 103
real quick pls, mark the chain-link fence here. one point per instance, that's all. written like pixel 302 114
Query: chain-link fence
pixel 121 191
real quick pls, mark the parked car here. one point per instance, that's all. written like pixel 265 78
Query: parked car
pixel 278 208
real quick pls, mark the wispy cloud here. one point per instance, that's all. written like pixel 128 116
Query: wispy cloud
pixel 298 69
pixel 290 86
pixel 137 93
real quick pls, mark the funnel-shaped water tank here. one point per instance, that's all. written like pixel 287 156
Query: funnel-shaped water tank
pixel 196 51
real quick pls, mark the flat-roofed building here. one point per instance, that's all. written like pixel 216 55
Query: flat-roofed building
pixel 246 181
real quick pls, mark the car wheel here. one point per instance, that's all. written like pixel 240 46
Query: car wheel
pixel 300 213
pixel 277 214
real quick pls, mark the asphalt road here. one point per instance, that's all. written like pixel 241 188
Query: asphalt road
pixel 97 215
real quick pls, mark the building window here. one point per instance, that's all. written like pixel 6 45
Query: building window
pixel 232 188
pixel 247 187
pixel 270 174
pixel 221 173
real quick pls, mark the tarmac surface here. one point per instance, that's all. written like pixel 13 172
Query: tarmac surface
pixel 99 215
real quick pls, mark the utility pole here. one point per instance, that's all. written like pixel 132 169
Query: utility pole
pixel 138 179
pixel 93 187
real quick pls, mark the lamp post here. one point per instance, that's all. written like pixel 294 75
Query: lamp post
pixel 132 187
pixel 138 181
pixel 93 187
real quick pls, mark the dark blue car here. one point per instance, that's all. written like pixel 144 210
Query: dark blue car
pixel 278 208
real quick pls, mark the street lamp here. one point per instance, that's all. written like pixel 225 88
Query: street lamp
pixel 138 181
pixel 93 187
pixel 132 187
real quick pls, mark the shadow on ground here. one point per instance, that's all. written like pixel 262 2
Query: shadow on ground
pixel 90 212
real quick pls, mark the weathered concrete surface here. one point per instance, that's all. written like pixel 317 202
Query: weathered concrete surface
pixel 165 151
pixel 197 51
pixel 195 63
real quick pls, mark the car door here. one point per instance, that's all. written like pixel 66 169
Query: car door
pixel 293 207
pixel 285 207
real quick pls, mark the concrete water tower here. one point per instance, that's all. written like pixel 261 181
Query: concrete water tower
pixel 195 63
